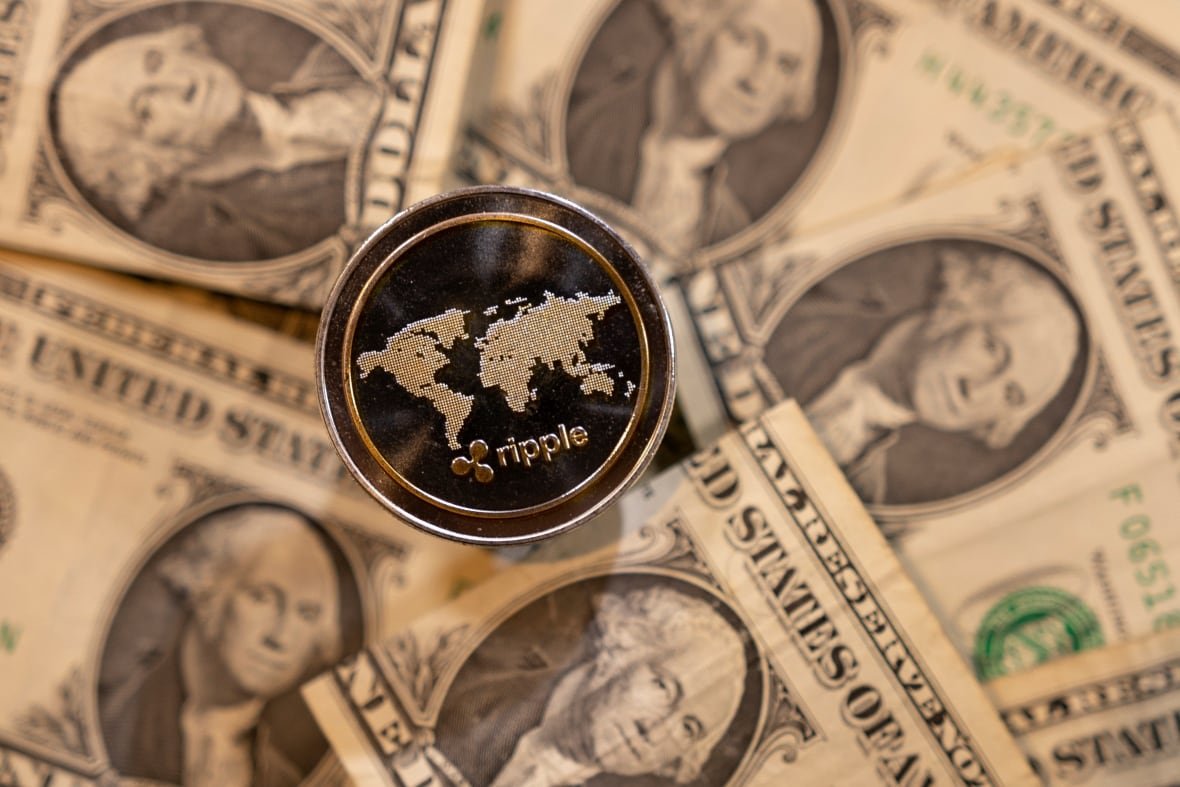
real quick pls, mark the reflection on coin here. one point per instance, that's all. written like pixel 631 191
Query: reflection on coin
pixel 495 365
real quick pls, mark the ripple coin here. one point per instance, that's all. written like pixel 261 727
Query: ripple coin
pixel 495 365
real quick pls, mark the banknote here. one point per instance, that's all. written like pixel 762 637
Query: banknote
pixel 975 359
pixel 1110 716
pixel 754 630
pixel 1087 570
pixel 703 127
pixel 180 546
pixel 243 146
pixel 297 323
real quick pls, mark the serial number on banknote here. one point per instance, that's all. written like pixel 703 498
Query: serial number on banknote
pixel 1019 119
pixel 1145 552
pixel 9 636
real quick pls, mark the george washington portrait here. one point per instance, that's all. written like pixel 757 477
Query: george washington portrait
pixel 211 130
pixel 202 665
pixel 932 368
pixel 703 115
pixel 627 680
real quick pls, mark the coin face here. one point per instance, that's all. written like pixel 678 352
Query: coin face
pixel 495 366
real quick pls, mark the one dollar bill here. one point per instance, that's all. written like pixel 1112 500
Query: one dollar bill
pixel 702 128
pixel 245 147
pixel 995 367
pixel 180 546
pixel 755 630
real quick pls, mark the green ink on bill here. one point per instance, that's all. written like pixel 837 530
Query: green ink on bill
pixel 9 636
pixel 1030 626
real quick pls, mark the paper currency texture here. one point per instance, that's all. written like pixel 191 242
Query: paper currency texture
pixel 706 127
pixel 1110 716
pixel 755 629
pixel 981 362
pixel 180 547
pixel 239 146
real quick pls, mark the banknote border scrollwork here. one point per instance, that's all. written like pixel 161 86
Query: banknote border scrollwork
pixel 1095 687
pixel 1104 415
pixel 864 14
pixel 356 20
pixel 43 189
pixel 65 726
pixel 419 666
pixel 81 13
pixel 48 762
pixel 766 276
pixel 17 22
pixel 668 544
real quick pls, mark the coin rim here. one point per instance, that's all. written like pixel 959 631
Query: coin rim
pixel 366 293
pixel 448 524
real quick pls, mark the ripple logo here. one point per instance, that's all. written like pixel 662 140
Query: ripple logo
pixel 462 465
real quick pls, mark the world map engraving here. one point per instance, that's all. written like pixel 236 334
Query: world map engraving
pixel 554 333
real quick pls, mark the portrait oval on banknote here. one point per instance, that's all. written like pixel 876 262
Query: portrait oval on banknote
pixel 627 679
pixel 210 130
pixel 703 116
pixel 202 663
pixel 934 368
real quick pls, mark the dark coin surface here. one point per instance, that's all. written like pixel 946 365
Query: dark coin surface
pixel 495 365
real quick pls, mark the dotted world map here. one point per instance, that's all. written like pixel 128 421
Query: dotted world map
pixel 554 333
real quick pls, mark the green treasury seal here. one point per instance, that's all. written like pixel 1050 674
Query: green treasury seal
pixel 1030 626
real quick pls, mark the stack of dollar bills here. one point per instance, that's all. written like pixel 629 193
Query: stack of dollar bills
pixel 918 521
